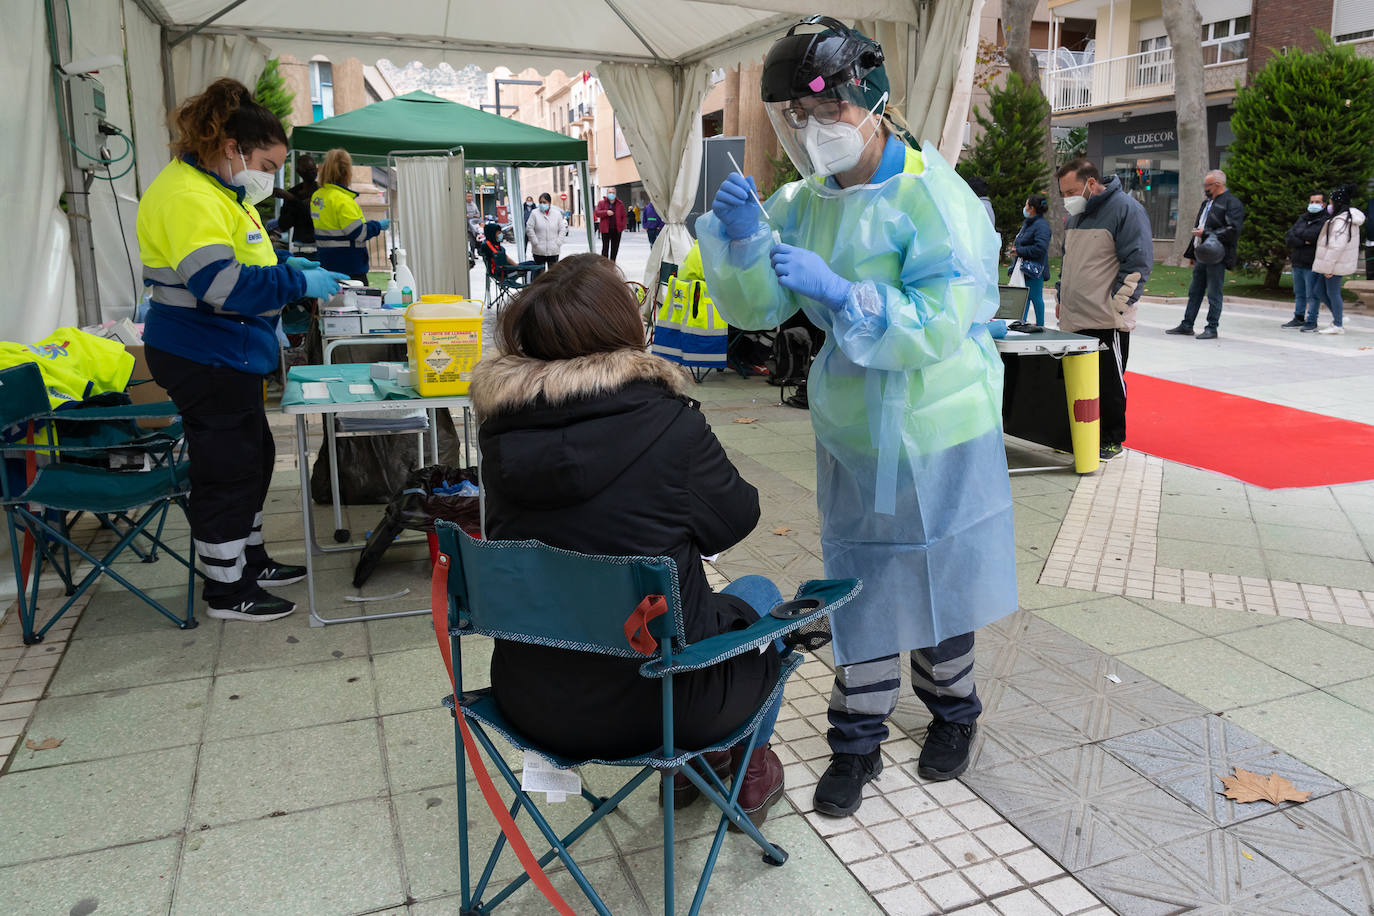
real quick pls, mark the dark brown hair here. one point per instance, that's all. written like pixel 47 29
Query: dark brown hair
pixel 1084 169
pixel 578 307
pixel 224 111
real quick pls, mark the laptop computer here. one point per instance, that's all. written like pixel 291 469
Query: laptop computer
pixel 1013 302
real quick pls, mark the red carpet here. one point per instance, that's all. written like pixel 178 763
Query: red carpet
pixel 1261 443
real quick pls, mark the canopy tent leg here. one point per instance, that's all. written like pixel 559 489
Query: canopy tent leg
pixel 517 200
pixel 587 206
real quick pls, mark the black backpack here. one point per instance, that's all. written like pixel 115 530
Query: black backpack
pixel 789 364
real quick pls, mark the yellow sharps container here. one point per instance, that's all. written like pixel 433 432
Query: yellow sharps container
pixel 443 343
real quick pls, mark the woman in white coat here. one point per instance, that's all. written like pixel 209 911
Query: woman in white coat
pixel 546 229
pixel 1338 254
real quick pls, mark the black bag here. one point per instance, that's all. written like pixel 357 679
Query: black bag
pixel 791 358
pixel 747 352
pixel 415 506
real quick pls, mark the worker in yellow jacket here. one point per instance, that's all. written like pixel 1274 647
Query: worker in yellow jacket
pixel 341 233
pixel 217 289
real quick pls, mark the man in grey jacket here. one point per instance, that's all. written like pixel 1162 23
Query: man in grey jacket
pixel 1109 252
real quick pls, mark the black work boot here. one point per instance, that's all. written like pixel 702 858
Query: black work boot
pixel 945 753
pixel 1181 329
pixel 841 788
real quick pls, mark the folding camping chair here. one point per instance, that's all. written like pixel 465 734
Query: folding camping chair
pixel 508 278
pixel 622 606
pixel 133 503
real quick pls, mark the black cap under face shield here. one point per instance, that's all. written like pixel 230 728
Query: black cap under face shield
pixel 805 64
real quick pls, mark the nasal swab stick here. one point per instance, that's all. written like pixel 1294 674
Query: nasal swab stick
pixel 752 192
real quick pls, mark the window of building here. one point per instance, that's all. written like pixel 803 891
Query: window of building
pixel 321 90
pixel 1226 40
pixel 1155 63
pixel 1352 20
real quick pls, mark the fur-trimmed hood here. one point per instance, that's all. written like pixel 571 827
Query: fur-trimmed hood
pixel 508 382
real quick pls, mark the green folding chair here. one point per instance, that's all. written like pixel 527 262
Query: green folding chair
pixel 621 606
pixel 66 479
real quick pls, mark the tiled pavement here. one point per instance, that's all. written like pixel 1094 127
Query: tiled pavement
pixel 283 769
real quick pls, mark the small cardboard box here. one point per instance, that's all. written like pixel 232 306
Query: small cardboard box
pixel 384 321
pixel 345 324
pixel 143 390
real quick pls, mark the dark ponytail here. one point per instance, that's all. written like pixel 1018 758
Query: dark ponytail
pixel 224 111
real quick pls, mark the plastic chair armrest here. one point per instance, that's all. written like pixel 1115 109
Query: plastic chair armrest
pixel 833 594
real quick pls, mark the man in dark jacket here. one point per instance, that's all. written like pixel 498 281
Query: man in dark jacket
pixel 1221 214
pixel 1302 243
pixel 1109 252
pixel 295 207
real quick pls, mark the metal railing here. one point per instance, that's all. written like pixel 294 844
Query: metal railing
pixel 1146 75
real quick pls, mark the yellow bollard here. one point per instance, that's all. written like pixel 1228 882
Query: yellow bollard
pixel 1085 425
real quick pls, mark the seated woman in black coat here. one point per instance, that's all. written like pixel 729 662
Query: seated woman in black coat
pixel 589 444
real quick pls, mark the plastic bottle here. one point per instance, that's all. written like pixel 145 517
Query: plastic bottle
pixel 407 295
pixel 404 278
pixel 392 297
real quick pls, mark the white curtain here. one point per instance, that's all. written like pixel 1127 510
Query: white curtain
pixel 430 221
pixel 36 263
pixel 935 84
pixel 659 111
pixel 144 57
pixel 201 59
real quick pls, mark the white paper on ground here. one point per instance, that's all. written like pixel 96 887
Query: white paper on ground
pixel 315 391
pixel 539 775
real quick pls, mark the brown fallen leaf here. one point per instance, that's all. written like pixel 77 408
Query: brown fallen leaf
pixel 781 530
pixel 746 419
pixel 46 744
pixel 1250 787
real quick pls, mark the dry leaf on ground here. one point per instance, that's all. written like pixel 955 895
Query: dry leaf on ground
pixel 781 530
pixel 746 419
pixel 46 744
pixel 1249 787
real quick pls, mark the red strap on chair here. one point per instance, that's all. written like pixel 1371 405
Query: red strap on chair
pixel 439 608
pixel 637 624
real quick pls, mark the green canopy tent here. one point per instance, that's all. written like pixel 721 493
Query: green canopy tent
pixel 418 123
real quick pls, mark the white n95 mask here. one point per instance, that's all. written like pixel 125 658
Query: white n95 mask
pixel 257 186
pixel 838 147
pixel 1075 205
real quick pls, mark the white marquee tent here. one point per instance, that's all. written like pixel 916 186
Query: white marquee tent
pixel 654 58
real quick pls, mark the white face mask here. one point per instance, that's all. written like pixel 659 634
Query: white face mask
pixel 838 147
pixel 1075 205
pixel 257 186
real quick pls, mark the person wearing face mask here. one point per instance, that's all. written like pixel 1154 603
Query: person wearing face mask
pixel 546 229
pixel 341 233
pixel 1302 248
pixel 1109 252
pixel 1338 252
pixel 611 217
pixel 1219 216
pixel 887 250
pixel 1032 247
pixel 210 338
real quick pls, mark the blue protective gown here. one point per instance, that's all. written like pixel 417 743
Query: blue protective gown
pixel 905 395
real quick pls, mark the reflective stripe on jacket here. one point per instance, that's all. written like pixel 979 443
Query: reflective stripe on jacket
pixel 215 284
pixel 341 233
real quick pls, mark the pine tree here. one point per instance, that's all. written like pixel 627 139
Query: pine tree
pixel 1305 123
pixel 1010 154
pixel 271 93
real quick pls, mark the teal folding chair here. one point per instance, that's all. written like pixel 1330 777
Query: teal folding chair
pixel 622 606
pixel 71 481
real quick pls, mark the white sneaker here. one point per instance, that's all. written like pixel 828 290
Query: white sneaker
pixel 1334 329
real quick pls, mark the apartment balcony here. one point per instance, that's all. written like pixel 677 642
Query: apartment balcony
pixel 1135 78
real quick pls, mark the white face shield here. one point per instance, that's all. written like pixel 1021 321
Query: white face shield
pixel 821 133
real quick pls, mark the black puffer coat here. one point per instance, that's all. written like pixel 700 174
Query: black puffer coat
pixel 602 454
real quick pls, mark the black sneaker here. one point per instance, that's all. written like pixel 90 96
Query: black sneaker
pixel 1309 329
pixel 1208 334
pixel 259 605
pixel 1109 451
pixel 280 574
pixel 945 753
pixel 1181 329
pixel 1293 323
pixel 841 788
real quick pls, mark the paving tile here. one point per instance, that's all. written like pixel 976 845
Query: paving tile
pixel 135 660
pixel 415 678
pixel 1321 570
pixel 1357 693
pixel 397 633
pixel 1362 635
pixel 50 812
pixel 907 900
pixel 287 698
pixel 1320 729
pixel 1291 539
pixel 1328 843
pixel 114 611
pixel 1188 759
pixel 1318 517
pixel 258 866
pixel 1304 651
pixel 1207 620
pixel 1238 532
pixel 1236 507
pixel 134 880
pixel 1212 673
pixel 1210 557
pixel 1116 625
pixel 1110 699
pixel 117 722
pixel 288 641
pixel 1213 872
pixel 1083 806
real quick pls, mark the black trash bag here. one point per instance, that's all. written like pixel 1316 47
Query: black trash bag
pixel 415 506
pixel 374 468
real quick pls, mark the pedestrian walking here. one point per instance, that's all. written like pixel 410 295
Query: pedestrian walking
pixel 652 224
pixel 1219 220
pixel 546 229
pixel 611 217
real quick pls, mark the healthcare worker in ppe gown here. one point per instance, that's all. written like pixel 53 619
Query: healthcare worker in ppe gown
pixel 885 248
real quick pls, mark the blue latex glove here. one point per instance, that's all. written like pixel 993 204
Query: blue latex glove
pixel 321 284
pixel 735 207
pixel 805 272
pixel 303 263
pixel 997 328
pixel 384 224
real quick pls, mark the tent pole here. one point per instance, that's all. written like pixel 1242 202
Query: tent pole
pixel 517 222
pixel 169 89
pixel 587 205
